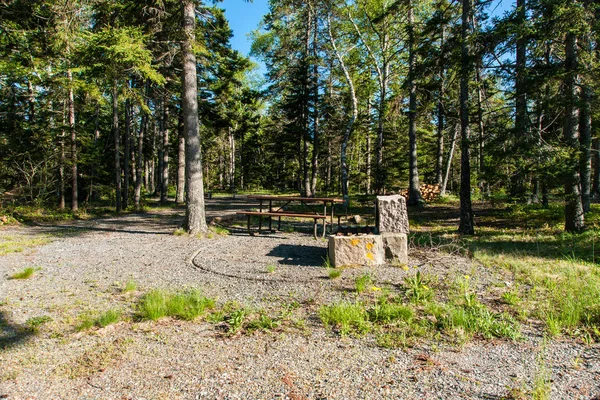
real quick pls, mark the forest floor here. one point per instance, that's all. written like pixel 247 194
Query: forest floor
pixel 467 318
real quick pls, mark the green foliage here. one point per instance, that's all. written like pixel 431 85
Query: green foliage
pixel 417 288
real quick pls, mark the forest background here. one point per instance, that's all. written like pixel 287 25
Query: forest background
pixel 360 97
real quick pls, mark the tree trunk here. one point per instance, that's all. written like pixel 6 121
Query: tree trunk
pixel 180 162
pixel 440 111
pixel 315 88
pixel 574 217
pixel 449 162
pixel 195 221
pixel 351 120
pixel 164 189
pixel 596 182
pixel 126 154
pixel 62 162
pixel 117 140
pixel 231 142
pixel 369 149
pixel 141 165
pixel 585 136
pixel 74 191
pixel 414 191
pixel 466 225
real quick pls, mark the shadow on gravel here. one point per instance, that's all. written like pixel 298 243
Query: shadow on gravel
pixel 306 256
pixel 12 335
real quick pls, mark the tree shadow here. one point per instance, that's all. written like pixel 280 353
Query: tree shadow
pixel 12 335
pixel 303 255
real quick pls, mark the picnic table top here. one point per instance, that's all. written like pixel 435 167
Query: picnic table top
pixel 297 198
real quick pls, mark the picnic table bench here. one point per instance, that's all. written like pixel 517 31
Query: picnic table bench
pixel 279 211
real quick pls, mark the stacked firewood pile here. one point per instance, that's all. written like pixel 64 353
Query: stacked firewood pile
pixel 428 192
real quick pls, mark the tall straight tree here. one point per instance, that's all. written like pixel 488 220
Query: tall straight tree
pixel 466 225
pixel 414 192
pixel 195 220
pixel 574 219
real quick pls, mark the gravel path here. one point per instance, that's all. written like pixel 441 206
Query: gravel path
pixel 86 264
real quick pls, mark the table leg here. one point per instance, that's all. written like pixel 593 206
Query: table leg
pixel 270 216
pixel 259 223
pixel 315 227
pixel 249 233
pixel 331 221
pixel 279 224
pixel 324 226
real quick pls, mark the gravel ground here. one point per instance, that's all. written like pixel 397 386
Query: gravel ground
pixel 86 264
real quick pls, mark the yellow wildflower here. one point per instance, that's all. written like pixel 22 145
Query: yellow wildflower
pixel 375 288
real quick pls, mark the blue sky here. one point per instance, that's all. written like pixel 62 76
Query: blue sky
pixel 243 18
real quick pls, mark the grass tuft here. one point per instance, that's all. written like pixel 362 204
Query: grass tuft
pixel 25 274
pixel 346 317
pixel 334 273
pixel 187 305
pixel 362 282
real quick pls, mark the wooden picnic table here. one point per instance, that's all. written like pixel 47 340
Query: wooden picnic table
pixel 277 209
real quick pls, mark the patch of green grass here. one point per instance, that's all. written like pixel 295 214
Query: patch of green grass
pixel 130 286
pixel 542 378
pixel 25 274
pixel 387 312
pixel 345 317
pixel 418 288
pixel 180 232
pixel 271 268
pixel 19 243
pixel 478 319
pixel 35 323
pixel 327 263
pixel 219 230
pixel 235 320
pixel 263 322
pixel 88 321
pixel 362 282
pixel 186 305
pixel 334 273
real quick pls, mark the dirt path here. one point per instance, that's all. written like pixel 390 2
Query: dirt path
pixel 85 266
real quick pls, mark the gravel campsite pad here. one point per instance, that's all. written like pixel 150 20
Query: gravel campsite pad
pixel 81 267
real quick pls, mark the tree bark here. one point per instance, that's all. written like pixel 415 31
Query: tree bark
pixel 195 221
pixel 585 136
pixel 449 162
pixel 117 140
pixel 74 191
pixel 164 189
pixel 466 224
pixel 179 198
pixel 62 162
pixel 315 113
pixel 141 166
pixel 351 119
pixel 574 217
pixel 414 191
pixel 126 154
pixel 441 115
